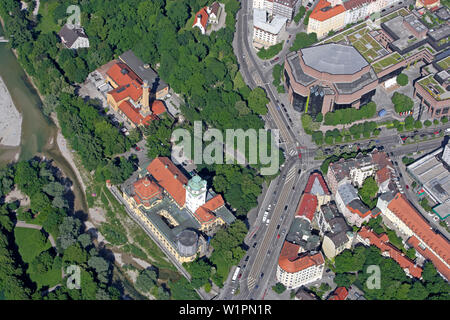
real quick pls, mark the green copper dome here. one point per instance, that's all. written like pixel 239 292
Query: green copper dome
pixel 196 183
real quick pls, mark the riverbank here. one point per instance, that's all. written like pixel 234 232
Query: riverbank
pixel 66 153
pixel 10 120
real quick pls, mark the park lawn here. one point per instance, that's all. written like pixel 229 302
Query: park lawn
pixel 223 266
pixel 47 25
pixel 29 248
pixel 50 278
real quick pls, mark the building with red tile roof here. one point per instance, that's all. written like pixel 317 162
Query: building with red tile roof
pixel 146 191
pixel 340 293
pixel 326 17
pixel 206 214
pixel 158 107
pixel 132 83
pixel 168 176
pixel 295 270
pixel 201 20
pixel 382 242
pixel 316 184
pixel 408 221
pixel 429 4
pixel 307 206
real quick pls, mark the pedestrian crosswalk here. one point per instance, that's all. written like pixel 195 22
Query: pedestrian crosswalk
pixel 251 282
pixel 291 174
pixel 293 152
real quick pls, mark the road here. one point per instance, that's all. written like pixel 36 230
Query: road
pixel 264 245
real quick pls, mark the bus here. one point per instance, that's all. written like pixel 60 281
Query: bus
pixel 235 275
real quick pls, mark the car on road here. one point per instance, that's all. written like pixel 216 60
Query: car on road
pixel 254 245
pixel 262 274
pixel 299 155
pixel 278 236
pixel 407 187
pixel 436 132
pixel 283 232
pixel 290 36
pixel 268 221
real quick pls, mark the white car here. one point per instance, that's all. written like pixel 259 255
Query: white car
pixel 268 221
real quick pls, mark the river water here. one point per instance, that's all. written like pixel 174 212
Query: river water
pixel 38 131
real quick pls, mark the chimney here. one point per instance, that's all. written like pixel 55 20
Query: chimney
pixel 145 98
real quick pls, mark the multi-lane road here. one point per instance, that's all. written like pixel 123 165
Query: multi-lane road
pixel 283 194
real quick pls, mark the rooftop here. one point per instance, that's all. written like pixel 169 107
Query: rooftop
pixel 143 70
pixel 401 207
pixel 262 21
pixel 168 176
pixel 316 185
pixel 404 38
pixel 433 175
pixel 348 193
pixel 334 58
pixel 324 11
pixel 307 206
pixel 382 242
pixel 290 260
pixel 433 87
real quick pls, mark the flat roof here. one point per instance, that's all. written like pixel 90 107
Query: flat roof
pixel 440 33
pixel 273 26
pixel 433 175
pixel 143 71
pixel 404 37
pixel 334 58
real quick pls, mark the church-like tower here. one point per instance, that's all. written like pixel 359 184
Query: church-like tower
pixel 195 193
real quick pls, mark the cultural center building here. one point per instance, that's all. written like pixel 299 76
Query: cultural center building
pixel 328 77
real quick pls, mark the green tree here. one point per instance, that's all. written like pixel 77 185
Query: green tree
pixel 279 288
pixel 258 101
pixel 401 102
pixel 146 280
pixel 368 192
pixel 402 79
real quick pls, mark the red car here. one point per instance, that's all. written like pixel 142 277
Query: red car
pixel 137 148
pixel 407 187
pixel 278 236
pixel 436 132
pixel 299 155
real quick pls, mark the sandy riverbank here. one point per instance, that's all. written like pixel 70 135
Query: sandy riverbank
pixel 67 154
pixel 10 119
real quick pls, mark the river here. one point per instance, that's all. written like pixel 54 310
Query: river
pixel 38 131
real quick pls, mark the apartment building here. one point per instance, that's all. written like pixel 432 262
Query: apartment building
pixel 267 28
pixel 406 220
pixel 295 270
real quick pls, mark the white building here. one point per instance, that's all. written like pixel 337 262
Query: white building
pixel 266 29
pixel 296 270
pixel 359 174
pixel 264 4
pixel 446 154
pixel 195 193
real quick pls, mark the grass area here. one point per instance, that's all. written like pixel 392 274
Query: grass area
pixel 387 62
pixel 223 267
pixel 31 243
pixel 46 24
pixel 429 84
pixel 444 63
